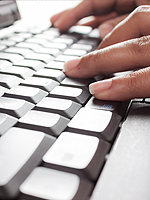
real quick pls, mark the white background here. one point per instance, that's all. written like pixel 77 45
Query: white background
pixel 40 11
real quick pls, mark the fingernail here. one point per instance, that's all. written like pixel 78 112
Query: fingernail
pixel 105 29
pixel 100 86
pixel 56 24
pixel 71 64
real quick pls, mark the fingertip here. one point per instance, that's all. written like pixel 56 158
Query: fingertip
pixel 71 64
pixel 105 29
pixel 112 89
pixel 100 86
pixel 56 24
pixel 52 19
pixel 57 18
pixel 60 25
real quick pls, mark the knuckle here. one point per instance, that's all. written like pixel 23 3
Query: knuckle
pixel 137 83
pixel 140 46
pixel 93 60
pixel 141 9
pixel 133 81
pixel 139 13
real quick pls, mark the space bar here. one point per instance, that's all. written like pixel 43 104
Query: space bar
pixel 126 173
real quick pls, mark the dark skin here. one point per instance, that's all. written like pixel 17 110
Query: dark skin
pixel 125 47
pixel 101 10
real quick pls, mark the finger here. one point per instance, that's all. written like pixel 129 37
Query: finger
pixel 74 15
pixel 142 2
pixel 133 26
pixel 96 21
pixel 134 85
pixel 107 26
pixel 93 7
pixel 127 55
pixel 123 7
pixel 55 17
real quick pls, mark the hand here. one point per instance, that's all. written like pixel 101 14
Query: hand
pixel 105 13
pixel 127 47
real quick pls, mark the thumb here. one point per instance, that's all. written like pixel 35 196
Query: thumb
pixel 133 85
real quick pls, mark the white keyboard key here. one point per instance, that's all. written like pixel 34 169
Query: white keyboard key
pixel 64 107
pixel 53 52
pixel 65 58
pixel 44 36
pixel 3 90
pixel 6 122
pixel 80 29
pixel 7 42
pixel 76 153
pixel 9 81
pixel 113 106
pixel 10 57
pixel 55 65
pixel 77 82
pixel 37 41
pixel 95 33
pixel 33 64
pixel 51 184
pixel 85 47
pixel 49 123
pixel 100 123
pixel 20 51
pixel 74 52
pixel 52 32
pixel 56 46
pixel 31 94
pixel 21 151
pixel 21 72
pixel 126 173
pixel 56 75
pixel 67 41
pixel 42 83
pixel 4 64
pixel 24 35
pixel 16 38
pixel 15 107
pixel 75 94
pixel 26 45
pixel 40 57
pixel 2 47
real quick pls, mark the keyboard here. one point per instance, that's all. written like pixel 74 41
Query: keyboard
pixel 57 141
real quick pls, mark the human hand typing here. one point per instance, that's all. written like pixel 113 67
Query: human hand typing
pixel 105 14
pixel 125 48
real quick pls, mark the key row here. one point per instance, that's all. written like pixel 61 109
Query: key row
pixel 53 121
pixel 38 109
pixel 43 42
pixel 68 155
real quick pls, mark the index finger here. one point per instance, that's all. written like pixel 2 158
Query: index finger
pixel 123 55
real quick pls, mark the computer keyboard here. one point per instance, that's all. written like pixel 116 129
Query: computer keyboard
pixel 55 137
